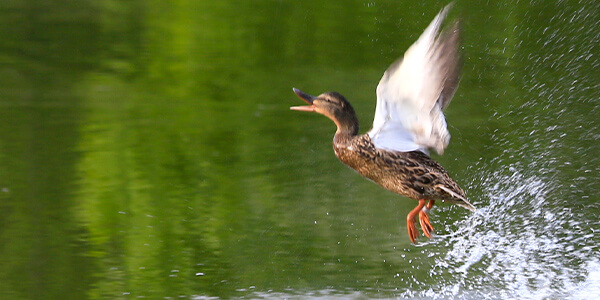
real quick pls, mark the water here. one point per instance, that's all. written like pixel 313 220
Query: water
pixel 147 150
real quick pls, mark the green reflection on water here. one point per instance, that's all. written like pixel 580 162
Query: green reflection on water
pixel 147 148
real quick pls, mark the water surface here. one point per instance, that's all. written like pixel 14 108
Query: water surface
pixel 147 150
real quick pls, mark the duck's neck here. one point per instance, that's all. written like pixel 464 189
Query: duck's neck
pixel 346 130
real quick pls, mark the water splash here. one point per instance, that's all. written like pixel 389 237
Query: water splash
pixel 524 244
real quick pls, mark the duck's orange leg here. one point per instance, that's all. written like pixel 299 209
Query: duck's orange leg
pixel 411 222
pixel 424 219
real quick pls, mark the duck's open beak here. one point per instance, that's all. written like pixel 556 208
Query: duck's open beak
pixel 306 97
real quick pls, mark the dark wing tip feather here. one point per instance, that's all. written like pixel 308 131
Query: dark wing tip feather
pixel 450 61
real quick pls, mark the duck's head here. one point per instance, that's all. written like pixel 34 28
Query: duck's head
pixel 332 105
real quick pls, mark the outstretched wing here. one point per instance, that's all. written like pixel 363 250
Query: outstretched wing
pixel 415 89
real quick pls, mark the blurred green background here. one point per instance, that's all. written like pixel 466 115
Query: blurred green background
pixel 147 150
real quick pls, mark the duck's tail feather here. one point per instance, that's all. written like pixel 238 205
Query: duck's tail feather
pixel 457 199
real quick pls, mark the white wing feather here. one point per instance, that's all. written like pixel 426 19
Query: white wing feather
pixel 414 90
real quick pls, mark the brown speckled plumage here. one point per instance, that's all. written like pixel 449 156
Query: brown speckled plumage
pixel 411 174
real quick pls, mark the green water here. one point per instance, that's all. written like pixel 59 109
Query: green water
pixel 147 150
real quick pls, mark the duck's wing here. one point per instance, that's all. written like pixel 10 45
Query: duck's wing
pixel 415 89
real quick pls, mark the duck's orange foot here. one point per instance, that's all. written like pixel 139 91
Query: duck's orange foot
pixel 424 219
pixel 412 229
pixel 411 221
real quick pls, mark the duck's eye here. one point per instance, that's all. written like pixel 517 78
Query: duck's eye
pixel 329 100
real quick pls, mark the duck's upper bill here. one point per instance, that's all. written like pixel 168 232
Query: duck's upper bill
pixel 415 89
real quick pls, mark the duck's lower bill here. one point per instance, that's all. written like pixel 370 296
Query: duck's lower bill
pixel 310 108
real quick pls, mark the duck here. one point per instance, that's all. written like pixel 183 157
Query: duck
pixel 408 123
